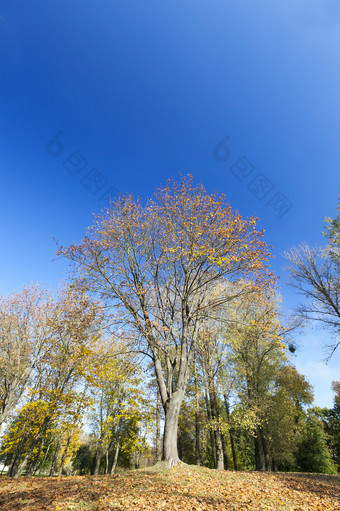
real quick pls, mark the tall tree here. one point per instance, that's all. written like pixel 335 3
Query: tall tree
pixel 286 417
pixel 157 264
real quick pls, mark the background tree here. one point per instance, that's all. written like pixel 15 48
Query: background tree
pixel 313 453
pixel 119 406
pixel 23 336
pixel 286 416
pixel 257 350
pixel 315 273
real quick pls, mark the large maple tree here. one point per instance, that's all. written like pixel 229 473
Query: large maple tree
pixel 156 265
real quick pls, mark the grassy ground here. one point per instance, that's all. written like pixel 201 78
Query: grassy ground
pixel 180 488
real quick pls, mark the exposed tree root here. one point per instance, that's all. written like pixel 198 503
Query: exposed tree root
pixel 165 464
pixel 172 462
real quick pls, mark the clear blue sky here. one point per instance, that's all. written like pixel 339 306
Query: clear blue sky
pixel 143 90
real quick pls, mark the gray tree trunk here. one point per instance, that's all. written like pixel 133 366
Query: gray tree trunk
pixel 231 436
pixel 23 464
pixel 55 458
pixel 106 471
pixel 17 457
pixel 267 459
pixel 259 457
pixel 63 457
pixel 98 460
pixel 115 458
pixel 158 428
pixel 212 437
pixel 170 450
pixel 41 464
pixel 215 414
pixel 225 455
pixel 33 465
pixel 197 420
pixel 219 450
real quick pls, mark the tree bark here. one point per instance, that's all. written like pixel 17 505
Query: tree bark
pixel 115 458
pixel 17 457
pixel 23 464
pixel 55 458
pixel 259 457
pixel 172 408
pixel 33 465
pixel 98 460
pixel 106 471
pixel 63 457
pixel 212 437
pixel 217 432
pixel 267 459
pixel 137 460
pixel 158 428
pixel 225 455
pixel 231 436
pixel 172 398
pixel 219 450
pixel 179 444
pixel 197 419
pixel 41 464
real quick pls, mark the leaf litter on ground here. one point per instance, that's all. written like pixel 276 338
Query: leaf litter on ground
pixel 184 487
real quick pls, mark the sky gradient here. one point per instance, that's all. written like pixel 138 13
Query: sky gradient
pixel 137 92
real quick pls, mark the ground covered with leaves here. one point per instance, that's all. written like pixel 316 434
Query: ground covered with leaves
pixel 180 488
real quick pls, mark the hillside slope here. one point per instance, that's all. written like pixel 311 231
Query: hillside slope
pixel 181 488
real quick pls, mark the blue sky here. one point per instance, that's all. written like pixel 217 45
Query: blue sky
pixel 139 91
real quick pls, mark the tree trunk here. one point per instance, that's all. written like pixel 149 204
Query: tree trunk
pixel 158 428
pixel 23 464
pixel 172 408
pixel 259 457
pixel 55 458
pixel 217 432
pixel 98 460
pixel 33 465
pixel 219 450
pixel 231 436
pixel 266 451
pixel 17 457
pixel 225 455
pixel 115 458
pixel 197 439
pixel 172 399
pixel 13 393
pixel 63 457
pixel 212 438
pixel 179 444
pixel 197 419
pixel 106 471
pixel 41 464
